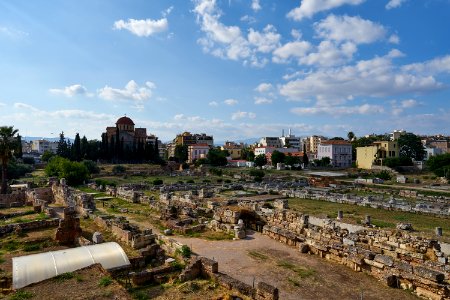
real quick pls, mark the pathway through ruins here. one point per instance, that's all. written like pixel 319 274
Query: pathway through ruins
pixel 259 258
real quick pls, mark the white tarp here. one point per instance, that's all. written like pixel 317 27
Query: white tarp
pixel 37 267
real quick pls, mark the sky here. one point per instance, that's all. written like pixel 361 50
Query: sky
pixel 235 69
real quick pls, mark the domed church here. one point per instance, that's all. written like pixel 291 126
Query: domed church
pixel 125 132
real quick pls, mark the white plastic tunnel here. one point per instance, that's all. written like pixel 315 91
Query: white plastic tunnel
pixel 37 267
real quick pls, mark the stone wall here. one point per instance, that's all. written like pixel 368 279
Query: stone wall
pixel 33 225
pixel 67 196
pixel 395 257
pixel 15 199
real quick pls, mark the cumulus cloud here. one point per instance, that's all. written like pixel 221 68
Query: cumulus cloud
pixel 394 4
pixel 255 5
pixel 231 102
pixel 70 91
pixel 377 77
pixel 394 39
pixel 264 87
pixel 262 100
pixel 363 109
pixel 346 28
pixel 329 54
pixel 409 103
pixel 213 103
pixel 13 33
pixel 297 50
pixel 432 67
pixel 143 28
pixel 242 114
pixel 132 92
pixel 308 8
pixel 229 42
pixel 400 107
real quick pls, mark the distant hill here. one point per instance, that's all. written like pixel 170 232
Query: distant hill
pixel 248 141
pixel 52 139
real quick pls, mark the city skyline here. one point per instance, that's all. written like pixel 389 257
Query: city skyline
pixel 233 69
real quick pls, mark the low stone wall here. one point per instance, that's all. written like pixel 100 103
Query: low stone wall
pixel 207 268
pixel 67 196
pixel 15 199
pixel 33 225
pixel 44 194
pixel 397 258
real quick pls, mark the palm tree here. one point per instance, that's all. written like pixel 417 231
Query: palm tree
pixel 8 142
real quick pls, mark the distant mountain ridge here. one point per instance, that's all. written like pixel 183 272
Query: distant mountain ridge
pixel 52 139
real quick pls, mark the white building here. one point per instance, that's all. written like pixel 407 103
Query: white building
pixel 268 150
pixel 270 142
pixel 291 141
pixel 432 151
pixel 40 146
pixel 339 152
pixel 197 151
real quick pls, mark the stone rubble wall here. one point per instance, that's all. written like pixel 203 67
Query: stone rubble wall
pixel 397 258
pixel 15 199
pixel 29 226
pixel 67 196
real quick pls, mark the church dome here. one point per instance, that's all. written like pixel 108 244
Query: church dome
pixel 125 121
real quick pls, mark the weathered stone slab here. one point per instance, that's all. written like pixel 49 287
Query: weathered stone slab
pixel 429 274
pixel 384 259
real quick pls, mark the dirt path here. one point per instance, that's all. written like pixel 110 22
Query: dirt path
pixel 298 276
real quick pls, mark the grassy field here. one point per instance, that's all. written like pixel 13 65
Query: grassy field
pixel 382 218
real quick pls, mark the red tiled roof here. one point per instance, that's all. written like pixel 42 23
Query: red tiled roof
pixel 124 121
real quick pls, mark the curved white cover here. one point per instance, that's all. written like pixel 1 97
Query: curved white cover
pixel 37 267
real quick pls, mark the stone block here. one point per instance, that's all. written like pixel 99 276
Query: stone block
pixel 97 237
pixel 429 274
pixel 403 266
pixel 384 259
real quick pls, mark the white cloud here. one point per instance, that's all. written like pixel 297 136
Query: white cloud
pixel 394 39
pixel 167 11
pixel 229 42
pixel 394 4
pixel 264 87
pixel 213 103
pixel 430 67
pixel 231 102
pixel 262 100
pixel 297 49
pixel 142 28
pixel 178 117
pixel 12 32
pixel 70 91
pixel 255 5
pixel 329 54
pixel 409 103
pixel 394 53
pixel 308 8
pixel 131 92
pixel 248 19
pixel 363 109
pixel 242 114
pixel 346 28
pixel 264 41
pixel 296 34
pixel 377 77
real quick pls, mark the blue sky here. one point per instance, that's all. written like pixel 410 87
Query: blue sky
pixel 235 69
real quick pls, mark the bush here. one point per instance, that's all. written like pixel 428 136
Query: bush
pixel 393 162
pixel 257 173
pixel 385 175
pixel 190 181
pixel 21 295
pixel 185 251
pixel 103 182
pixel 157 181
pixel 16 170
pixel 28 160
pixel 119 169
pixel 227 180
pixel 258 179
pixel 105 281
pixel 219 180
pixel 217 172
pixel 91 166
pixel 74 172
pixel 47 155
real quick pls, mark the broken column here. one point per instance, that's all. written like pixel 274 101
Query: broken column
pixel 69 228
pixel 367 220
pixel 438 231
pixel 340 215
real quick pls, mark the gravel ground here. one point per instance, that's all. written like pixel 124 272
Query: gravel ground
pixel 259 258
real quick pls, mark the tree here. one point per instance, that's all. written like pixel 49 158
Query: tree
pixel 290 160
pixel 63 149
pixel 350 135
pixel 84 148
pixel 8 143
pixel 18 152
pixel 337 138
pixel 440 165
pixel 181 153
pixel 217 157
pixel 277 157
pixel 47 155
pixel 411 146
pixel 76 148
pixel 260 160
pixel 305 156
pixel 74 172
pixel 325 161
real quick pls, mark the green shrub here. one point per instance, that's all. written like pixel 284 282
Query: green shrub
pixel 91 166
pixel 385 175
pixel 119 169
pixel 28 160
pixel 74 172
pixel 258 179
pixel 185 251
pixel 227 180
pixel 157 181
pixel 190 181
pixel 257 173
pixel 21 295
pixel 105 281
pixel 215 171
pixel 31 247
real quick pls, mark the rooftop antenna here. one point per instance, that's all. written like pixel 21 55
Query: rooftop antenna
pixel 282 132
pixel 289 131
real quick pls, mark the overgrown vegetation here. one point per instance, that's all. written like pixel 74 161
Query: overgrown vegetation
pixel 21 295
pixel 257 255
pixel 74 172
pixel 105 281
pixel 300 271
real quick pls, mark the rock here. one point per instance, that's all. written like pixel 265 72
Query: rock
pixel 405 226
pixel 167 231
pixel 303 248
pixel 429 274
pixel 384 259
pixel 97 237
